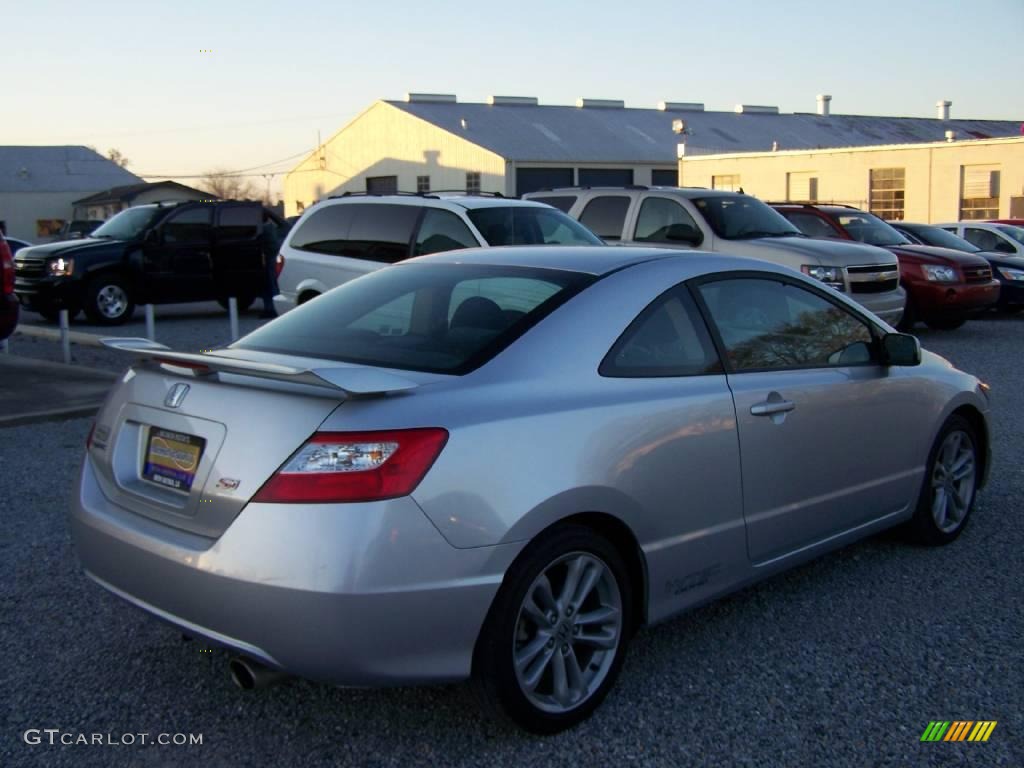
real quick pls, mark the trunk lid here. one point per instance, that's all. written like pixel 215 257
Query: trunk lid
pixel 187 440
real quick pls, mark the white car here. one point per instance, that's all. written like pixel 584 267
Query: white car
pixel 990 236
pixel 344 237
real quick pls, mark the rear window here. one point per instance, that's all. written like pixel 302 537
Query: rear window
pixel 438 318
pixel 529 225
pixel 374 232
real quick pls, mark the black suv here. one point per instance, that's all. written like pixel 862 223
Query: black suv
pixel 150 254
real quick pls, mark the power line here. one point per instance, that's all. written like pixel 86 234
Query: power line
pixel 238 172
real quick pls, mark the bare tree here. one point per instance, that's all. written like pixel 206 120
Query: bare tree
pixel 222 184
pixel 115 156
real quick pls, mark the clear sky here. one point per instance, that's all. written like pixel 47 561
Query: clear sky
pixel 133 75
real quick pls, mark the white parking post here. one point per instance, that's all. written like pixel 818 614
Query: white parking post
pixel 150 323
pixel 65 337
pixel 233 316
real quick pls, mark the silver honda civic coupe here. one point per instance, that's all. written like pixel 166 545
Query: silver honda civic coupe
pixel 497 464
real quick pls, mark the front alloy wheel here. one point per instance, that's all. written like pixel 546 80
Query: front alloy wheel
pixel 108 300
pixel 556 635
pixel 950 484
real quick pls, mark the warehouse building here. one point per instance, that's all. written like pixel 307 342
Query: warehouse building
pixel 933 182
pixel 103 205
pixel 514 145
pixel 39 185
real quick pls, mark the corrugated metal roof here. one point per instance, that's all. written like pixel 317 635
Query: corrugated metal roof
pixel 574 134
pixel 59 169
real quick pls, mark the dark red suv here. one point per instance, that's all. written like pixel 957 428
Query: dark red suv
pixel 8 301
pixel 944 287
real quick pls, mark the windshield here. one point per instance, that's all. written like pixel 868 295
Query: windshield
pixel 744 218
pixel 944 239
pixel 127 225
pixel 1017 233
pixel 438 318
pixel 868 228
pixel 529 225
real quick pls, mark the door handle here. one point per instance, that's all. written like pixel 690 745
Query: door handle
pixel 771 407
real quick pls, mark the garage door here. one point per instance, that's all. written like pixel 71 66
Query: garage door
pixel 534 179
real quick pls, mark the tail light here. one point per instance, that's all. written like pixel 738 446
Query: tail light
pixel 355 466
pixel 7 266
pixel 279 264
pixel 88 438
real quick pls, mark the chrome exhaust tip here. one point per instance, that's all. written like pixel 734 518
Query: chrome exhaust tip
pixel 250 675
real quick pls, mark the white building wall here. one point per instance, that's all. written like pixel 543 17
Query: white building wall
pixel 385 141
pixel 932 181
pixel 22 210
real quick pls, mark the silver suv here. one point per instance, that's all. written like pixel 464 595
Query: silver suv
pixel 736 224
pixel 344 237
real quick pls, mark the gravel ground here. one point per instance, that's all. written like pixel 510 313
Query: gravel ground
pixel 842 662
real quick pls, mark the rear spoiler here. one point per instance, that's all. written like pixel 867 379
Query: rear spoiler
pixel 353 382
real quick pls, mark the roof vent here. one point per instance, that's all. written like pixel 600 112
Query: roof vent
pixel 942 109
pixel 512 101
pixel 430 98
pixel 754 109
pixel 600 103
pixel 824 102
pixel 680 106
pixel 950 136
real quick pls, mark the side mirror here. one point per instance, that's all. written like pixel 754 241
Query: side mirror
pixel 901 349
pixel 684 233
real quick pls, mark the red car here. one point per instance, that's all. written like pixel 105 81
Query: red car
pixel 8 301
pixel 944 287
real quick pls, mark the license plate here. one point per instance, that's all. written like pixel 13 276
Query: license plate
pixel 172 458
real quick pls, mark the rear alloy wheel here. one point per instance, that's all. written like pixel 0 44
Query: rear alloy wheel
pixel 556 635
pixel 950 485
pixel 108 300
pixel 945 322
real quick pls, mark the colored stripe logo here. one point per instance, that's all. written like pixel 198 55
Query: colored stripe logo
pixel 958 730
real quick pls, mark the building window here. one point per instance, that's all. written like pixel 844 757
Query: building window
pixel 422 185
pixel 886 197
pixel 473 182
pixel 381 185
pixel 802 187
pixel 730 182
pixel 979 192
pixel 299 206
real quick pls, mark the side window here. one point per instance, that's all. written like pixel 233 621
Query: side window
pixel 190 226
pixel 605 216
pixel 562 202
pixel 442 231
pixel 982 238
pixel 324 230
pixel 359 231
pixel 664 221
pixel 667 339
pixel 767 324
pixel 382 232
pixel 239 222
pixel 811 225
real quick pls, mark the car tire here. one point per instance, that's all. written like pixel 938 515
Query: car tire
pixel 908 319
pixel 306 296
pixel 570 644
pixel 1011 309
pixel 945 322
pixel 109 300
pixel 950 485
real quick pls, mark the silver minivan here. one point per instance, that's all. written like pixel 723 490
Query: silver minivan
pixel 344 237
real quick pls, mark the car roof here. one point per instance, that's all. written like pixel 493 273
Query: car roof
pixel 688 192
pixel 590 259
pixel 437 200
